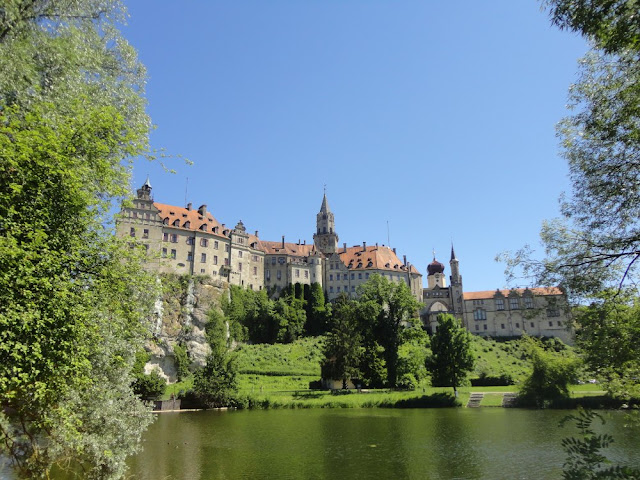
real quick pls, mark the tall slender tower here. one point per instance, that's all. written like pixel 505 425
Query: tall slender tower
pixel 325 238
pixel 456 285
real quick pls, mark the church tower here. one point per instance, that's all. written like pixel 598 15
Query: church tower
pixel 325 238
pixel 456 285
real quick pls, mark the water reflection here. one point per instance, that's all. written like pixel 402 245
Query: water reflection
pixel 367 443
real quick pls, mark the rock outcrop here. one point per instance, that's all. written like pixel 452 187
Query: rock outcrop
pixel 181 316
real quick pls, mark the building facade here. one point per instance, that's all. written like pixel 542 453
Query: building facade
pixel 185 240
pixel 539 312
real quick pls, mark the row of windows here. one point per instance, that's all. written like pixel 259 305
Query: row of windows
pixel 481 313
pixel 517 325
pixel 346 289
pixel 145 232
pixel 145 215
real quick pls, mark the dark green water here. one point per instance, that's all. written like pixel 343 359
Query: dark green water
pixel 485 443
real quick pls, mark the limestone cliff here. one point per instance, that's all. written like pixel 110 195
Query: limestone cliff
pixel 180 317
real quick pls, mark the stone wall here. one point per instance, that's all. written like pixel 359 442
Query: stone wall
pixel 180 319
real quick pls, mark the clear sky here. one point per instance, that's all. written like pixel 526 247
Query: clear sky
pixel 436 118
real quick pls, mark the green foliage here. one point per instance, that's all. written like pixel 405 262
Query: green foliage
pixel 584 458
pixel 396 305
pixel 216 384
pixel 318 313
pixel 149 387
pixel 182 361
pixel 343 349
pixel 549 379
pixel 609 334
pixel 73 299
pixel 412 356
pixel 301 357
pixel 611 25
pixel 451 355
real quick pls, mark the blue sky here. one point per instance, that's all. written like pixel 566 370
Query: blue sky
pixel 436 117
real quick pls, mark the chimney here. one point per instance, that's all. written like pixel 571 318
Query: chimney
pixel 304 242
pixel 364 246
pixel 344 245
pixel 376 244
pixel 282 241
pixel 394 250
pixel 404 260
pixel 202 210
pixel 189 206
pixel 256 233
pixel 298 241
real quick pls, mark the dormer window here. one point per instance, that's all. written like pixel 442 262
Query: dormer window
pixel 203 227
pixel 187 224
pixel 176 223
pixel 166 221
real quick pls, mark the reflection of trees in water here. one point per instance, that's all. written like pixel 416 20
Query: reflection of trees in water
pixel 454 447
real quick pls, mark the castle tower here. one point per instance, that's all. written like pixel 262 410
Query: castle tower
pixel 144 192
pixel 435 274
pixel 456 285
pixel 325 238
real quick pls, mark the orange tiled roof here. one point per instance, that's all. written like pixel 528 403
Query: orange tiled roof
pixel 486 294
pixel 300 250
pixel 184 215
pixel 373 257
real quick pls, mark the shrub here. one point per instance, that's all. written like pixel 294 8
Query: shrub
pixel 149 387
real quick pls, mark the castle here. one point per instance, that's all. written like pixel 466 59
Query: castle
pixel 191 241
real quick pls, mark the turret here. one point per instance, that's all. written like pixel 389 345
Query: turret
pixel 325 238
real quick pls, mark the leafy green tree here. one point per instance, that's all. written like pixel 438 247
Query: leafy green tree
pixel 149 386
pixel 216 384
pixel 451 353
pixel 585 460
pixel 343 349
pixel 318 313
pixel 412 356
pixel 182 361
pixel 73 299
pixel 609 335
pixel 397 306
pixel 611 25
pixel 290 317
pixel 549 379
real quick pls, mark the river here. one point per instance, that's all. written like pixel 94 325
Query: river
pixel 453 443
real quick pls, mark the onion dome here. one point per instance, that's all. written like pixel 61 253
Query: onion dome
pixel 435 267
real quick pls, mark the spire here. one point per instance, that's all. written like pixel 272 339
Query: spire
pixel 324 208
pixel 147 183
pixel 453 253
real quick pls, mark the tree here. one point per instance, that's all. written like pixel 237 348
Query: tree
pixel 608 335
pixel 612 25
pixel 584 458
pixel 318 313
pixel 216 383
pixel 451 355
pixel 73 298
pixel 549 379
pixel 397 306
pixel 343 350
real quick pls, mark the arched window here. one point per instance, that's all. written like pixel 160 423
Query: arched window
pixel 187 224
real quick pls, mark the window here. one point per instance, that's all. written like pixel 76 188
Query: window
pixel 166 221
pixel 297 273
pixel 513 303
pixel 330 289
pixel 528 302
pixel 559 323
pixel 215 244
pixel 331 277
pixel 552 311
pixel 189 257
pixel 173 253
pixel 281 260
pixel 240 266
pixel 240 254
pixel 255 270
pixel 135 214
pixel 204 242
pixel 226 247
pixel 267 274
pixel 202 270
pixel 254 258
pixel 132 232
pixel 145 233
pixel 485 326
pixel 164 252
pixel 176 223
pixel 502 326
pixel 477 327
pixel 359 275
pixel 306 274
pixel 215 259
pixel 165 237
pixel 203 258
pixel 279 274
pixel 345 276
pixel 187 225
pixel 517 325
pixel 479 314
pixel 338 288
pixel 366 275
pixel 174 238
pixel 353 276
pixel 499 303
pixel 191 240
pixel 353 288
pixel 550 323
pixel 273 260
pixel 226 261
pixel 532 325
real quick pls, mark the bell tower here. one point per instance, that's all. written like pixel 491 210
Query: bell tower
pixel 456 285
pixel 325 238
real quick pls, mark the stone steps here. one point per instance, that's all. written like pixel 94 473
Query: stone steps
pixel 509 399
pixel 474 400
